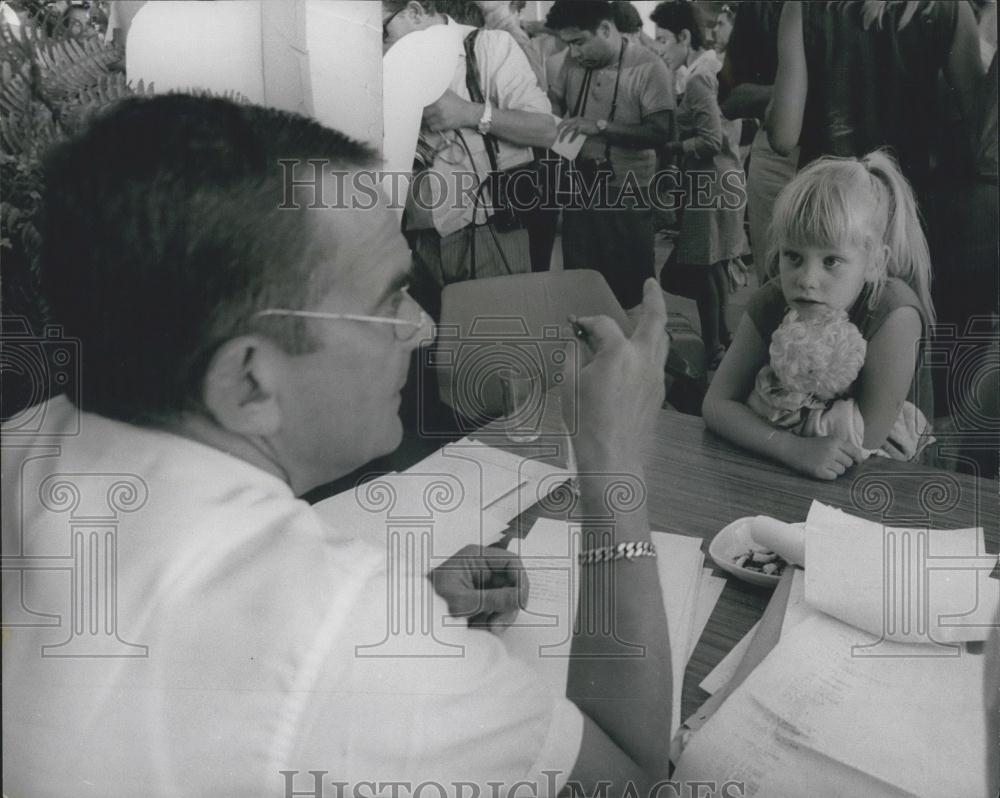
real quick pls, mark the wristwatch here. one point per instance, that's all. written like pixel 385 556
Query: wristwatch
pixel 486 120
pixel 602 125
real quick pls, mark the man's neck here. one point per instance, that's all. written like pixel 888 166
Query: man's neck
pixel 496 17
pixel 251 449
pixel 615 48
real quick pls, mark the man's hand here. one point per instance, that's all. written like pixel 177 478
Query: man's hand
pixel 824 457
pixel 569 128
pixel 451 112
pixel 487 585
pixel 618 393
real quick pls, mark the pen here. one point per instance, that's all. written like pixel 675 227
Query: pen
pixel 578 330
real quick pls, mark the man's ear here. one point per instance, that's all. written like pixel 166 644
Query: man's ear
pixel 415 11
pixel 684 37
pixel 240 385
pixel 604 28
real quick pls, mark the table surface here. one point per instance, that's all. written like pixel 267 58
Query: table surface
pixel 698 483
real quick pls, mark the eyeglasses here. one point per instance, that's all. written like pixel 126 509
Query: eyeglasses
pixel 389 19
pixel 410 318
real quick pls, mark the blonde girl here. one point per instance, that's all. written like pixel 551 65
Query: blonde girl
pixel 845 235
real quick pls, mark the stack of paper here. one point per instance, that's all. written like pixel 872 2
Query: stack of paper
pixel 530 479
pixel 543 633
pixel 690 593
pixel 721 674
pixel 465 493
pixel 803 722
pixel 907 585
pixel 814 719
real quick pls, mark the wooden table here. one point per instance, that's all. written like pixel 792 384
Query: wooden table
pixel 697 484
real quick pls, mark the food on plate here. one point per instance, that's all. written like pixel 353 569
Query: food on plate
pixel 761 561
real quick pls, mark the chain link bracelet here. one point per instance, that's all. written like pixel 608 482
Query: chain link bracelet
pixel 621 551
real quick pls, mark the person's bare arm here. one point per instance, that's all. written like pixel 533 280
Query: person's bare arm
pixel 783 120
pixel 726 413
pixel 652 132
pixel 527 128
pixel 887 373
pixel 613 403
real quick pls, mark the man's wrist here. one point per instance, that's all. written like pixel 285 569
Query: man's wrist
pixel 475 114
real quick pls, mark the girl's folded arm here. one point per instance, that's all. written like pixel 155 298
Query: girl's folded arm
pixel 887 374
pixel 725 410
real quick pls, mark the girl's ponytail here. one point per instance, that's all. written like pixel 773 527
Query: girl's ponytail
pixel 909 256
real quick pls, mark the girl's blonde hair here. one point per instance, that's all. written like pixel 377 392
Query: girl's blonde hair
pixel 862 202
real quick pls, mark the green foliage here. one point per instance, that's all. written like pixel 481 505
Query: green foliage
pixel 50 86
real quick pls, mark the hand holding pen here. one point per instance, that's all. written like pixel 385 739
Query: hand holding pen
pixel 618 391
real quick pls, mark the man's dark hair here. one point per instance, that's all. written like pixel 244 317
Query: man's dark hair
pixel 627 18
pixel 583 14
pixel 678 15
pixel 162 236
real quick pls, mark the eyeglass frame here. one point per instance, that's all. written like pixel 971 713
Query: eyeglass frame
pixel 385 24
pixel 398 323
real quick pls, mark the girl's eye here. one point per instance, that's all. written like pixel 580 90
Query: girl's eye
pixel 793 257
pixel 832 262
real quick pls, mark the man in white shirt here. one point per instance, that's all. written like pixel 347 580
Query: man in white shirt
pixel 176 621
pixel 455 231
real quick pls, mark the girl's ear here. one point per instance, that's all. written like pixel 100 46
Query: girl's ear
pixel 877 263
pixel 684 37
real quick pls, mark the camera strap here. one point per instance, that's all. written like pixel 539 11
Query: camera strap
pixel 580 107
pixel 473 86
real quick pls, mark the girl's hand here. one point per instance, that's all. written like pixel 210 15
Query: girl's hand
pixel 821 458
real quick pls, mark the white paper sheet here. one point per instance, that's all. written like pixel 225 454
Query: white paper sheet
pixel 796 609
pixel 679 562
pixel 813 719
pixel 542 633
pixel 906 585
pixel 569 148
pixel 721 674
pixel 527 481
pixel 709 589
pixel 467 463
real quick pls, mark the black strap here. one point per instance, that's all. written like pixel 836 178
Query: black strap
pixel 476 93
pixel 580 107
pixel 472 85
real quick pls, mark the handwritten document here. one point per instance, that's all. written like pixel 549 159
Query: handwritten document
pixel 542 635
pixel 815 718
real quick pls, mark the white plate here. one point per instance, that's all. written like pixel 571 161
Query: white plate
pixel 733 541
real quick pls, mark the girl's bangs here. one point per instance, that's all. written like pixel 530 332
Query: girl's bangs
pixel 826 208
